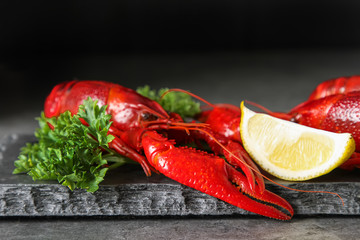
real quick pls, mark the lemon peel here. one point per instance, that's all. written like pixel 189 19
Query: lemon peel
pixel 291 151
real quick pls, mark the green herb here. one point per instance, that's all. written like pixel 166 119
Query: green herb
pixel 177 102
pixel 74 154
pixel 78 155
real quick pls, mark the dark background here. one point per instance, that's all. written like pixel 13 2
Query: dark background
pixel 214 48
pixel 117 27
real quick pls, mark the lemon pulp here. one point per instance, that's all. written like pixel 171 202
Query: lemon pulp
pixel 291 151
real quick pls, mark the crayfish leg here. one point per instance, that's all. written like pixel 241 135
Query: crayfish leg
pixel 235 154
pixel 210 174
pixel 239 157
pixel 123 149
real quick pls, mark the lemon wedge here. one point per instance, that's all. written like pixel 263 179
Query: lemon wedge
pixel 291 151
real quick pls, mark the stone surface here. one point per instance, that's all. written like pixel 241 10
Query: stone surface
pixel 174 229
pixel 128 192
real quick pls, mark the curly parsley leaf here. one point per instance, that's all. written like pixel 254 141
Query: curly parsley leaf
pixel 177 102
pixel 70 152
pixel 78 155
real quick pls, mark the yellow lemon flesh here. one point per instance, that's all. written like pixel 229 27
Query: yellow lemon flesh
pixel 292 151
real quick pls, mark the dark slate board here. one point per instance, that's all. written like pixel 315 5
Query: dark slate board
pixel 128 192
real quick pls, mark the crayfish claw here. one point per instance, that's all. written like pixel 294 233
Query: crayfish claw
pixel 278 207
pixel 210 174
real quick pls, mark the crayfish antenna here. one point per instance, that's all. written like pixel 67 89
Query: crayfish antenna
pixel 189 93
pixel 280 115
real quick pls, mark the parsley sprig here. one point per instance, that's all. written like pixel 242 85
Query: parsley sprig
pixel 78 155
pixel 75 154
pixel 178 102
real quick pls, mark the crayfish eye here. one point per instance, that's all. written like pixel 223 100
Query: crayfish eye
pixel 148 117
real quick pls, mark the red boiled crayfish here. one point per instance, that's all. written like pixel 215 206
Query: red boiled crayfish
pixel 333 106
pixel 341 85
pixel 146 133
